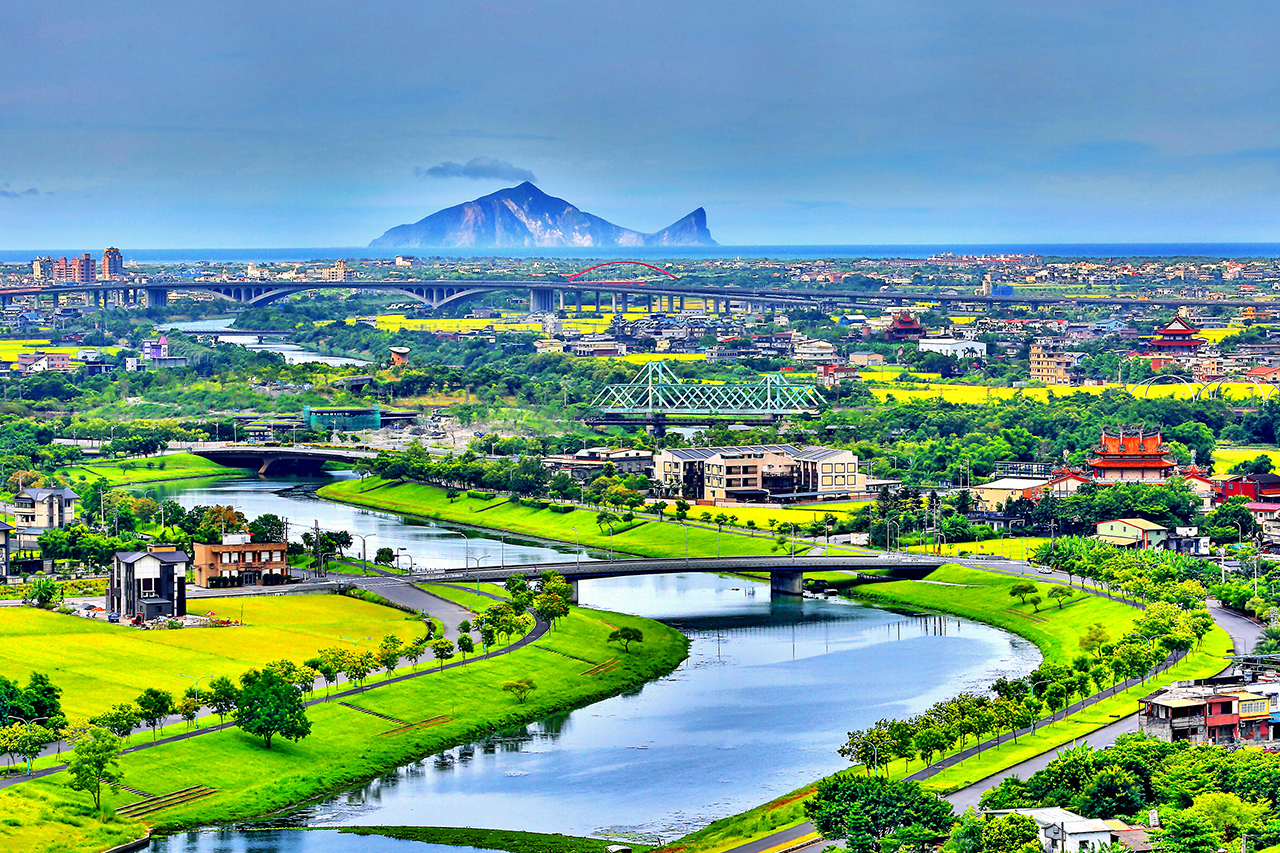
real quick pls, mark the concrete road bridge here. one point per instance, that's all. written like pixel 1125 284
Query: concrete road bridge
pixel 281 459
pixel 786 573
pixel 611 296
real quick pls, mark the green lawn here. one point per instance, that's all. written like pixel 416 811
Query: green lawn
pixel 466 594
pixel 149 469
pixel 347 746
pixel 984 596
pixel 493 839
pixel 97 664
pixel 650 539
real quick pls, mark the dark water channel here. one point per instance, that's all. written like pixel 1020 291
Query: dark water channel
pixel 768 693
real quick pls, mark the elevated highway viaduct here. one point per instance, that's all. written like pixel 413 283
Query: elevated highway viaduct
pixel 610 296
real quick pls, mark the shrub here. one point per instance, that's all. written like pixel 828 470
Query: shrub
pixel 480 496
pixel 563 508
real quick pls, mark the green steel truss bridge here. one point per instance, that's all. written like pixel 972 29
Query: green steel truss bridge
pixel 656 397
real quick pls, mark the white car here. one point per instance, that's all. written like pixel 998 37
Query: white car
pixel 1045 570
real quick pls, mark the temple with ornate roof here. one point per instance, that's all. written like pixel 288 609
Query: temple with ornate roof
pixel 905 328
pixel 1129 454
pixel 1177 338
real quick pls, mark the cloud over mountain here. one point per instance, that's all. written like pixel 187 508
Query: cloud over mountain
pixel 478 168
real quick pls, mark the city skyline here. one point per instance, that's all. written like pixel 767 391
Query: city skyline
pixel 829 123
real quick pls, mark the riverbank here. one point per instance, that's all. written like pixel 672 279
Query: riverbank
pixel 360 738
pixel 649 538
pixel 147 470
pixel 984 597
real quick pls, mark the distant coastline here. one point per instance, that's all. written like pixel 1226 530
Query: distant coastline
pixel 923 250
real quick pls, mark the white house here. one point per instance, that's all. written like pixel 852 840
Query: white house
pixel 1063 831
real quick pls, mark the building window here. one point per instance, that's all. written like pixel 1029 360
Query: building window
pixel 147 585
pixel 839 467
pixel 826 467
pixel 226 556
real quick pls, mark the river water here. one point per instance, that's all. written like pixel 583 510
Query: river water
pixel 293 354
pixel 769 691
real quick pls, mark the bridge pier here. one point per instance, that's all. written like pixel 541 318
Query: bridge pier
pixel 573 591
pixel 157 296
pixel 541 301
pixel 786 582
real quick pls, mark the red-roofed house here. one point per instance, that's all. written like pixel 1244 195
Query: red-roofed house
pixel 1177 338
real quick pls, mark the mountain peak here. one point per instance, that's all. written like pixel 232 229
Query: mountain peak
pixel 525 216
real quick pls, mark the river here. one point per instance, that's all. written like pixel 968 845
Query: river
pixel 770 689
pixel 293 354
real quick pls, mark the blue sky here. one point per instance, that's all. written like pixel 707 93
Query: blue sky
pixel 920 121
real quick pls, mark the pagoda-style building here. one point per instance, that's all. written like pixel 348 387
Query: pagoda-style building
pixel 1177 338
pixel 1129 454
pixel 905 328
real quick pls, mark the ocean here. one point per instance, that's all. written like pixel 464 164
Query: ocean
pixel 1068 250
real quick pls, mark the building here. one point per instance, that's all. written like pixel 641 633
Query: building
pixel 905 328
pixel 112 263
pixel 1052 365
pixel 865 359
pixel 155 348
pixel 1211 712
pixel 45 508
pixel 399 355
pixel 956 347
pixel 1132 533
pixel 1063 831
pixel 39 361
pixel 7 546
pixel 81 270
pixel 831 375
pixel 1131 454
pixel 148 584
pixel 1175 339
pixel 338 272
pixel 342 418
pixel 682 472
pixel 1255 487
pixel 1001 491
pixel 590 462
pixel 823 472
pixel 237 561
pixel 42 269
pixel 813 352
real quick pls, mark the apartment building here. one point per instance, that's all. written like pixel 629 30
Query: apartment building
pixel 237 561
pixel 1052 365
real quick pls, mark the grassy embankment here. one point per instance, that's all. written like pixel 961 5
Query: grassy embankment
pixel 346 745
pixel 650 538
pixel 493 839
pixel 982 596
pixel 150 469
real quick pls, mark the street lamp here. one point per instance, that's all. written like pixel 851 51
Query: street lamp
pixel 364 550
pixel 156 492
pixel 26 724
pixel 887 540
pixel 793 540
pixel 403 551
pixel 686 544
pixel 477 559
pixel 195 682
pixel 354 642
pixel 577 547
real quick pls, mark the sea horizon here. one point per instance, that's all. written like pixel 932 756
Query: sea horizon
pixel 909 251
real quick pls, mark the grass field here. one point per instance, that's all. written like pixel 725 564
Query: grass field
pixel 347 746
pixel 126 472
pixel 72 651
pixel 11 349
pixel 650 539
pixel 1225 457
pixel 1015 548
pixel 493 839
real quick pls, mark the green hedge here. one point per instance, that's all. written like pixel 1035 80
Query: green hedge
pixel 563 508
pixel 481 496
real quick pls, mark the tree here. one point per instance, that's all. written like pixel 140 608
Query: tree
pixel 1060 594
pixel 1022 589
pixel 626 636
pixel 442 649
pixel 520 688
pixel 1011 833
pixel 267 527
pixel 1094 638
pixel 357 666
pixel 384 557
pixel 466 645
pixel 1228 814
pixel 222 697
pixel 1034 601
pixel 269 705
pixel 888 806
pixel 390 651
pixel 153 706
pixel 1113 791
pixel 189 707
pixel 1185 832
pixel 93 761
pixel 550 607
pixel 120 720
pixel 44 591
pixel 929 742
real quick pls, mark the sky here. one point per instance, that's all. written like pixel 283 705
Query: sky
pixel 269 124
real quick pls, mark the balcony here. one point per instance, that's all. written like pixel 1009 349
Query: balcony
pixel 1187 722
